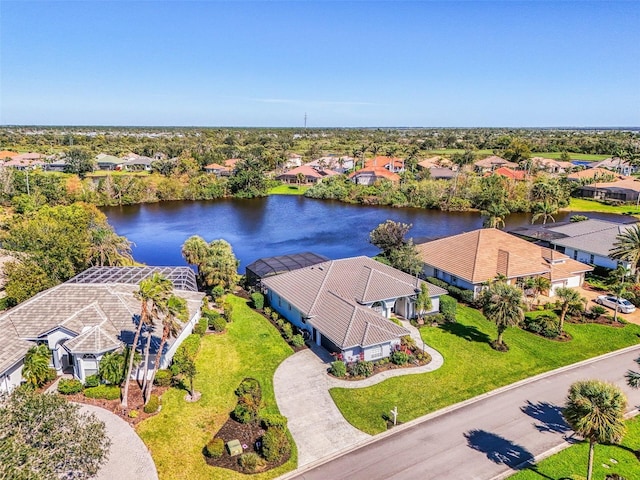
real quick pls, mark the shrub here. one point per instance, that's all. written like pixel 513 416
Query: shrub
pixel 422 356
pixel 396 321
pixel 152 405
pixel 275 420
pixel 542 323
pixel 228 311
pixel 107 392
pixel 437 282
pixel 408 342
pixel 215 448
pixel 361 368
pixel 163 378
pixel 275 445
pixel 218 324
pixel 52 374
pixel 258 300
pixel 297 340
pixel 279 322
pixel 217 292
pixel 243 414
pixel 249 386
pixel 338 369
pixel 597 310
pixel 133 414
pixel 69 386
pixel 448 307
pixel 250 462
pixel 465 296
pixel 287 331
pixel 92 381
pixel 399 357
pixel 267 311
pixel 275 316
pixel 201 326
pixel 436 318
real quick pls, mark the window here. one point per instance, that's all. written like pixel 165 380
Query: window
pixel 289 306
pixel 376 351
pixel 591 258
pixel 575 254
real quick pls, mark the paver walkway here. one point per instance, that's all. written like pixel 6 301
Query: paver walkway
pixel 301 386
pixel 128 455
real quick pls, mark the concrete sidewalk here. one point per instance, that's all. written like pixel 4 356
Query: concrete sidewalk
pixel 301 386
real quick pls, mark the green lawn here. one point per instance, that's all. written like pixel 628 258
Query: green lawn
pixel 288 189
pixel 573 460
pixel 583 205
pixel 472 367
pixel 251 347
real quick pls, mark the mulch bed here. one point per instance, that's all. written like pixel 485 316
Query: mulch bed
pixel 136 402
pixel 248 434
pixel 384 368
pixel 601 320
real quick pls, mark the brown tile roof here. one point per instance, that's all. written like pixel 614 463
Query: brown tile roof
pixel 308 171
pixel 430 162
pixel 231 162
pixel 480 255
pixel 381 161
pixel 508 173
pixel 494 161
pixel 379 172
pixel 627 183
pixel 592 173
pixel 215 166
pixel 332 294
pixel 7 154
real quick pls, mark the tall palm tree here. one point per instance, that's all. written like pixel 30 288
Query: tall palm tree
pixel 545 211
pixel 595 411
pixel 109 248
pixel 627 248
pixel 568 299
pixel 151 291
pixel 502 303
pixel 540 285
pixel 36 365
pixel 194 251
pixel 494 214
pixel 176 310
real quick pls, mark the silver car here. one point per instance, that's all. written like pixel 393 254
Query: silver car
pixel 623 305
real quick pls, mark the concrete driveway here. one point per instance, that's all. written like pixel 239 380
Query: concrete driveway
pixel 301 386
pixel 128 455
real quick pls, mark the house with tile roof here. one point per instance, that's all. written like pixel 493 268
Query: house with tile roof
pixel 615 164
pixel 217 170
pixel 370 175
pixel 591 175
pixel 345 304
pixel 471 259
pixel 589 241
pixel 86 317
pixel 393 164
pixel 7 154
pixel 551 165
pixel 109 162
pixel 309 174
pixel 624 189
pixel 337 163
pixel 507 172
pixel 489 164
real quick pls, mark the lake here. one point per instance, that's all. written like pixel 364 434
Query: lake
pixel 279 225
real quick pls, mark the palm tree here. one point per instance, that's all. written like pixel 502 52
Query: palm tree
pixel 109 248
pixel 568 299
pixel 176 310
pixel 495 214
pixel 617 285
pixel 300 178
pixel 540 285
pixel 151 291
pixel 502 303
pixel 627 248
pixel 111 368
pixel 545 210
pixel 633 378
pixel 194 251
pixel 36 365
pixel 595 411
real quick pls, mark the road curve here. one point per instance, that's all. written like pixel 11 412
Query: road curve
pixel 482 439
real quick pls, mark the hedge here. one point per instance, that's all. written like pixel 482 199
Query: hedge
pixel 106 392
pixel 68 386
pixel 448 307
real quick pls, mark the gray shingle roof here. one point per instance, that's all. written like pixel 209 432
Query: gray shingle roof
pixel 332 295
pixel 598 242
pixel 93 340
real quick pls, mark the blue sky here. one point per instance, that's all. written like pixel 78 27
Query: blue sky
pixel 344 64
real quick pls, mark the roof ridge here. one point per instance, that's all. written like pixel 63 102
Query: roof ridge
pixel 354 310
pixel 475 259
pixel 321 289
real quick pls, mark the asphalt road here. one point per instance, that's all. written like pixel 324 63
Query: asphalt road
pixel 483 439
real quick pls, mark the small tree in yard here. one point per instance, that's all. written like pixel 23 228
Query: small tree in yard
pixel 189 370
pixel 595 411
pixel 568 299
pixel 44 436
pixel 502 303
pixel 423 301
pixel 36 365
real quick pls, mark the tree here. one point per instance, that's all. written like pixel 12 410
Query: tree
pixel 44 436
pixel 517 151
pixel 595 411
pixel 423 301
pixel 176 309
pixel 568 298
pixel 36 365
pixel 111 368
pixel 194 251
pixel 79 161
pixel 189 370
pixel 502 303
pixel 248 179
pixel 627 248
pixel 406 258
pixel 108 248
pixel 300 178
pixel 389 236
pixel 25 278
pixel 618 285
pixel 221 265
pixel 151 292
pixel 494 215
pixel 544 210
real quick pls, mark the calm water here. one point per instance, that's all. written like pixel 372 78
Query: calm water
pixel 278 225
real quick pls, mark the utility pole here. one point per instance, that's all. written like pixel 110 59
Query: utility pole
pixel 305 120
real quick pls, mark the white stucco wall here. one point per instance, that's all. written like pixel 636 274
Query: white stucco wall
pixel 586 257
pixel 11 378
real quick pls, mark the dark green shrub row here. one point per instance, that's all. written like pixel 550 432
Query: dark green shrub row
pixel 218 324
pixel 69 386
pixel 399 357
pixel 215 448
pixel 152 405
pixel 163 378
pixel 107 392
pixel 437 282
pixel 270 420
pixel 465 296
pixel 297 340
pixel 448 307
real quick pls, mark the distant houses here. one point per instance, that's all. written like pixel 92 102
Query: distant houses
pixel 306 174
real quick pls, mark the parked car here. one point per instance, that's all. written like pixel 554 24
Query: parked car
pixel 623 305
